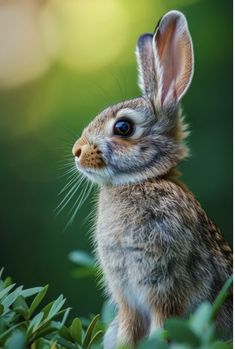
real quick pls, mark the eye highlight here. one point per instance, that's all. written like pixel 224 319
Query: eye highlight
pixel 123 127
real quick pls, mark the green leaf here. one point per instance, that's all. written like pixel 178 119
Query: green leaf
pixel 56 306
pixel 44 329
pixel 180 332
pixel 76 330
pixel 200 319
pixel 16 341
pixel 41 343
pixel 6 333
pixel 223 294
pixel 95 339
pixel 7 282
pixel 7 302
pixel 152 343
pixel 89 332
pixel 81 258
pixel 37 300
pixel 66 344
pixel 21 307
pixel 5 291
pixel 67 311
pixel 46 309
pixel 160 334
pixel 1 272
pixel 65 333
pixel 31 291
pixel 209 335
pixel 221 345
pixel 35 322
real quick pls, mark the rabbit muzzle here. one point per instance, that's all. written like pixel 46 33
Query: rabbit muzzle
pixel 87 155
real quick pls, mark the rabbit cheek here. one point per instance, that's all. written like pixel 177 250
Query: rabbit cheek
pixel 122 143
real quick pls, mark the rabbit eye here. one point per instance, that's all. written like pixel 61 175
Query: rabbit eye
pixel 123 128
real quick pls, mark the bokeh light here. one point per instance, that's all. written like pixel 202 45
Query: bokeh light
pixel 92 32
pixel 24 55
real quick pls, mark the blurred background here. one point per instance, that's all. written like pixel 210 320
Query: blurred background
pixel 61 63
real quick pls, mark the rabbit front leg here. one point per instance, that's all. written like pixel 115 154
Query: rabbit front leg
pixel 171 306
pixel 127 328
pixel 110 337
pixel 157 321
pixel 132 326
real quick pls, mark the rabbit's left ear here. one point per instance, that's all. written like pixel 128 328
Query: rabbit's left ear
pixel 173 55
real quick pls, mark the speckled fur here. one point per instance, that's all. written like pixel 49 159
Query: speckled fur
pixel 160 253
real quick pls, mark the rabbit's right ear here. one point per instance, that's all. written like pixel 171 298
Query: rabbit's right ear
pixel 166 61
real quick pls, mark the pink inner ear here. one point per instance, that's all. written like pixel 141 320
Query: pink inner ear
pixel 174 53
pixel 166 50
pixel 184 63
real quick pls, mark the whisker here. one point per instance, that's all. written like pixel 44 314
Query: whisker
pixel 69 195
pixel 72 180
pixel 81 199
pixel 62 164
pixel 68 175
pixel 70 170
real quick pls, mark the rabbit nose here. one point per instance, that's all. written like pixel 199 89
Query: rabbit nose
pixel 77 150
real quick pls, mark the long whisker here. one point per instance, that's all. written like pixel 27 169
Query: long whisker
pixel 73 179
pixel 62 165
pixel 81 199
pixel 67 197
pixel 69 171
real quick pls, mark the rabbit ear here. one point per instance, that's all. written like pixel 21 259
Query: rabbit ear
pixel 173 55
pixel 146 65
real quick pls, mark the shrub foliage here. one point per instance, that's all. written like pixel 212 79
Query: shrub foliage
pixel 28 322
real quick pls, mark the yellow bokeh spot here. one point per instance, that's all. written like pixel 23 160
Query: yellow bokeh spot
pixel 92 32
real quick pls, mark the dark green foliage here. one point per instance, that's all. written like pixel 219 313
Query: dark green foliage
pixel 26 323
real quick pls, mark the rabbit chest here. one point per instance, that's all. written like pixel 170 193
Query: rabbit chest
pixel 133 246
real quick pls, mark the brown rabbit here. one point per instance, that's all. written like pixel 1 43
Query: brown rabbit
pixel 160 253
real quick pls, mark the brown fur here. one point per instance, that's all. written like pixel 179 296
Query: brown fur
pixel 189 260
pixel 160 253
pixel 88 154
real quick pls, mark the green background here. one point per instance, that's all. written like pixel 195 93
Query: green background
pixel 41 119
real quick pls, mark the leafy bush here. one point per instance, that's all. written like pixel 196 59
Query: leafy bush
pixel 26 323
pixel 23 326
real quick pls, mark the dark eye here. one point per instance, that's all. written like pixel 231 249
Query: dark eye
pixel 123 128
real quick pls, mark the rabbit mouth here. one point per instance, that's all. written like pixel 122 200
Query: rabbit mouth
pixel 97 175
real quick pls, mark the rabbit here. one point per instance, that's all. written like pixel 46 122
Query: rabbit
pixel 160 253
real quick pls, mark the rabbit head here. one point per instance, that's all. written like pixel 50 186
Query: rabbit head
pixel 143 137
